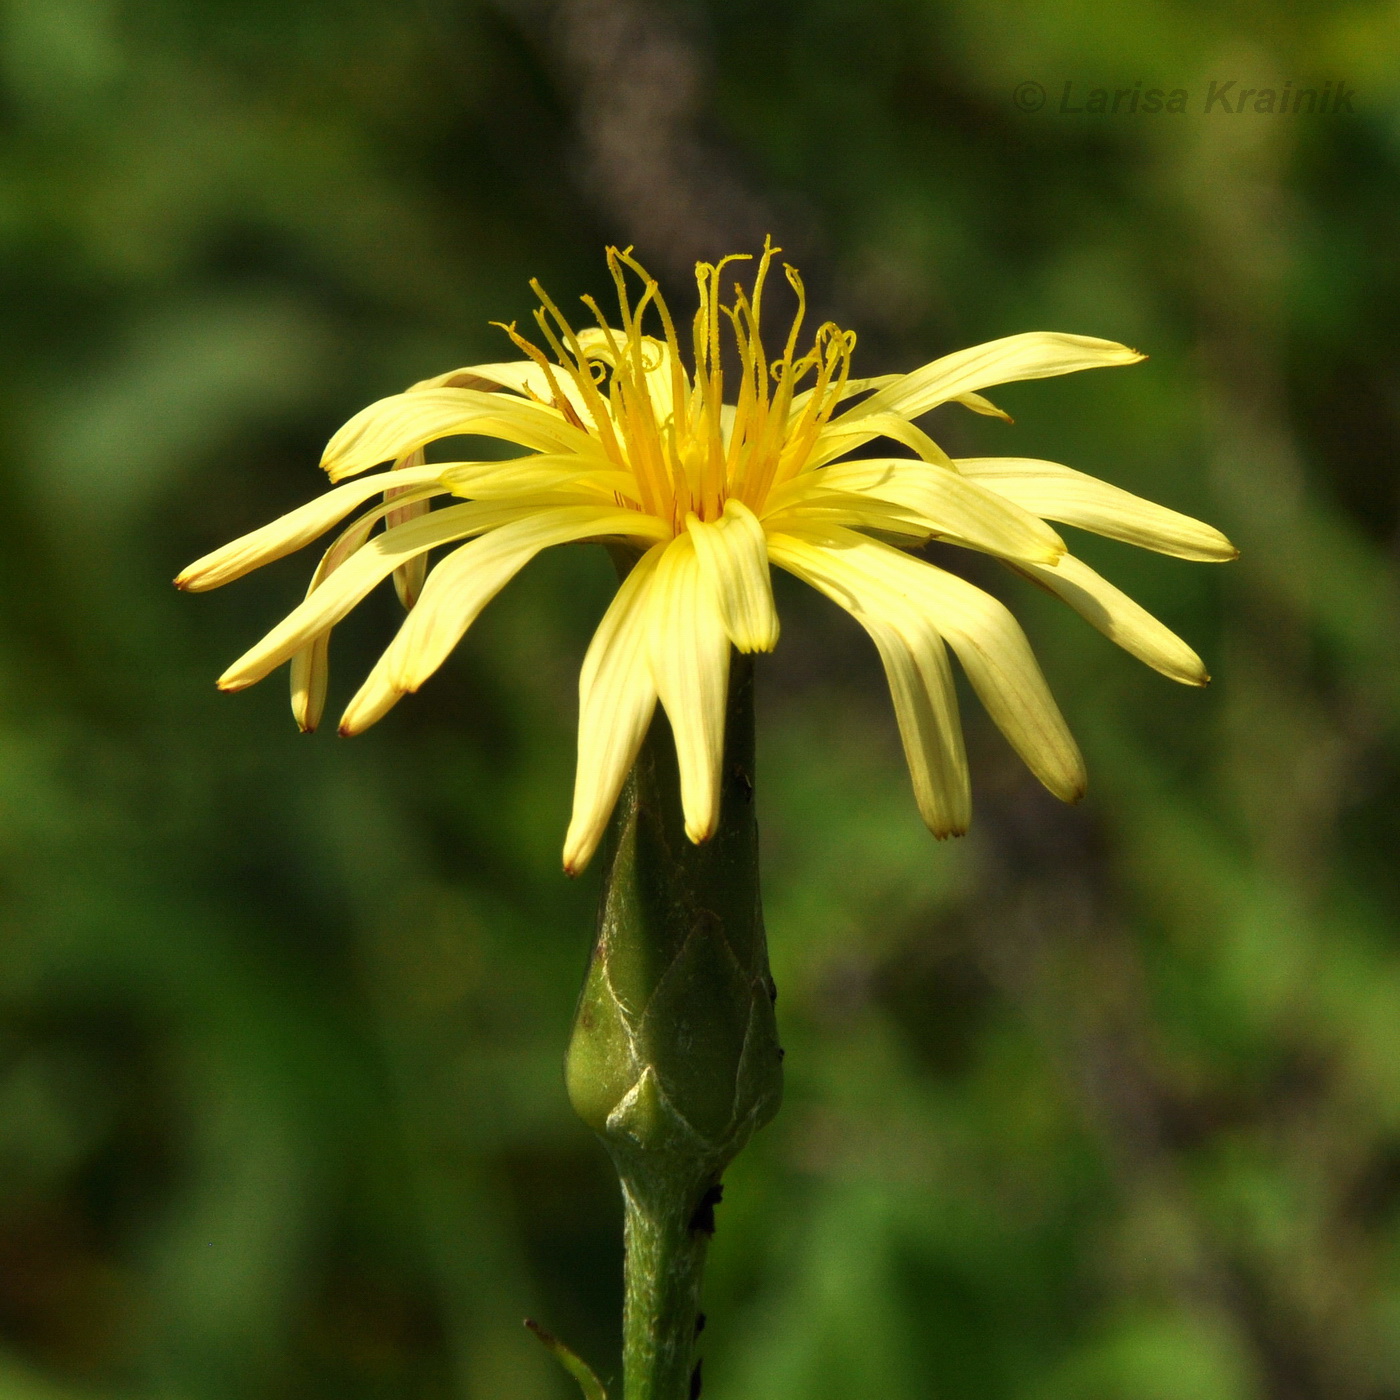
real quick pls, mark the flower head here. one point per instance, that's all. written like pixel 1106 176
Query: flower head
pixel 624 442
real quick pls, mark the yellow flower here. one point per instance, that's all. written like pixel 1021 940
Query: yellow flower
pixel 625 444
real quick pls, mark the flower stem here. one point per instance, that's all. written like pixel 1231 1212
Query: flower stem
pixel 665 1260
pixel 674 1058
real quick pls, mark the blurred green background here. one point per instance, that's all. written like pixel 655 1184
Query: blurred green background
pixel 1096 1104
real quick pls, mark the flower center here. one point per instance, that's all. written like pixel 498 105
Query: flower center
pixel 687 449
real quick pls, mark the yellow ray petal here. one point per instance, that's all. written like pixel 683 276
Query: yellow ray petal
pixel 371 702
pixel 926 708
pixel 463 583
pixel 1075 498
pixel 944 502
pixel 585 478
pixel 991 647
pixel 1003 670
pixel 917 669
pixel 298 527
pixel 369 565
pixel 734 557
pixel 395 426
pixel 408 578
pixel 1031 355
pixel 520 375
pixel 859 512
pixel 524 377
pixel 983 406
pixel 617 698
pixel 688 650
pixel 847 434
pixel 310 666
pixel 1119 618
pixel 310 676
pixel 848 390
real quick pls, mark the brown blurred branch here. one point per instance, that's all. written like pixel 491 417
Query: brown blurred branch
pixel 636 76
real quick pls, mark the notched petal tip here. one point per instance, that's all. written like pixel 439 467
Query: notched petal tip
pixel 230 685
pixel 752 643
pixel 699 835
pixel 332 460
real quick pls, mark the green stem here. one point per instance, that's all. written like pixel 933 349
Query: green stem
pixel 674 1059
pixel 665 1263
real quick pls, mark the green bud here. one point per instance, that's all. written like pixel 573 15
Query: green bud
pixel 675 1046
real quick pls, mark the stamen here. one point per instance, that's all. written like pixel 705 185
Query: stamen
pixel 538 356
pixel 795 282
pixel 633 409
pixel 579 370
pixel 682 460
pixel 620 283
pixel 835 348
pixel 749 415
